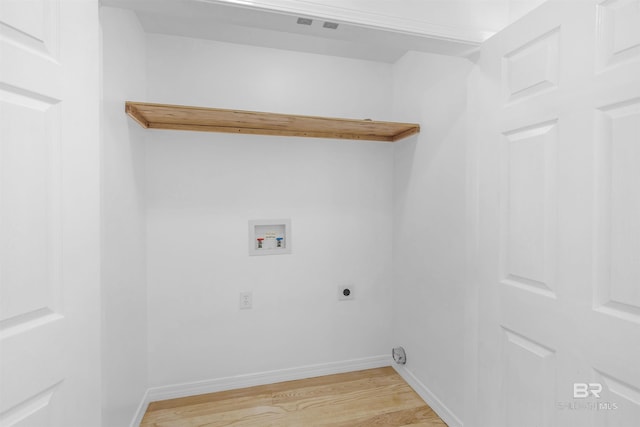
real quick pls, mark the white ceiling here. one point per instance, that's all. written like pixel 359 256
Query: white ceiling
pixel 380 30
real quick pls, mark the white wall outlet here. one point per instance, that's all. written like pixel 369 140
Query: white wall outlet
pixel 246 300
pixel 346 292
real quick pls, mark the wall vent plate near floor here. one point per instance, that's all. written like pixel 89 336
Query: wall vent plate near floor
pixel 269 236
pixel 399 355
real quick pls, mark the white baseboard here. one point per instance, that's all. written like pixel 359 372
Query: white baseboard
pixel 260 378
pixel 142 408
pixel 429 397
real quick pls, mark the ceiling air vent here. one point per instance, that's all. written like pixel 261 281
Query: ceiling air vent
pixel 305 21
pixel 330 25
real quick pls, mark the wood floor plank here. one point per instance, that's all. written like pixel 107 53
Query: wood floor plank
pixel 374 397
pixel 417 416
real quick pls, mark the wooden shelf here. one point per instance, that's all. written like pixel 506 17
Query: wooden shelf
pixel 179 117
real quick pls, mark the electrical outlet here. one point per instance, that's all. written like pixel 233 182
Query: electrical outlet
pixel 246 300
pixel 346 292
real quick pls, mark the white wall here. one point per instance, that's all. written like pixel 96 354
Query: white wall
pixel 430 233
pixel 519 8
pixel 124 298
pixel 202 188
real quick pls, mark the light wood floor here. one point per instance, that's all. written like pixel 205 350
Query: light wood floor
pixel 375 397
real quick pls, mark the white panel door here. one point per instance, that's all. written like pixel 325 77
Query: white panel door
pixel 557 138
pixel 49 207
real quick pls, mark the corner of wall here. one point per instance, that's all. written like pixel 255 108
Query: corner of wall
pixel 431 203
pixel 124 354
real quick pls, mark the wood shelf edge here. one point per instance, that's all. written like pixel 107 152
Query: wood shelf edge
pixel 132 111
pixel 165 116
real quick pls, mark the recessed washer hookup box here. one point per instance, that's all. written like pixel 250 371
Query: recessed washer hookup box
pixel 269 236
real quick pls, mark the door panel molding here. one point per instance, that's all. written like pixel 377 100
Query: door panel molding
pixel 617 245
